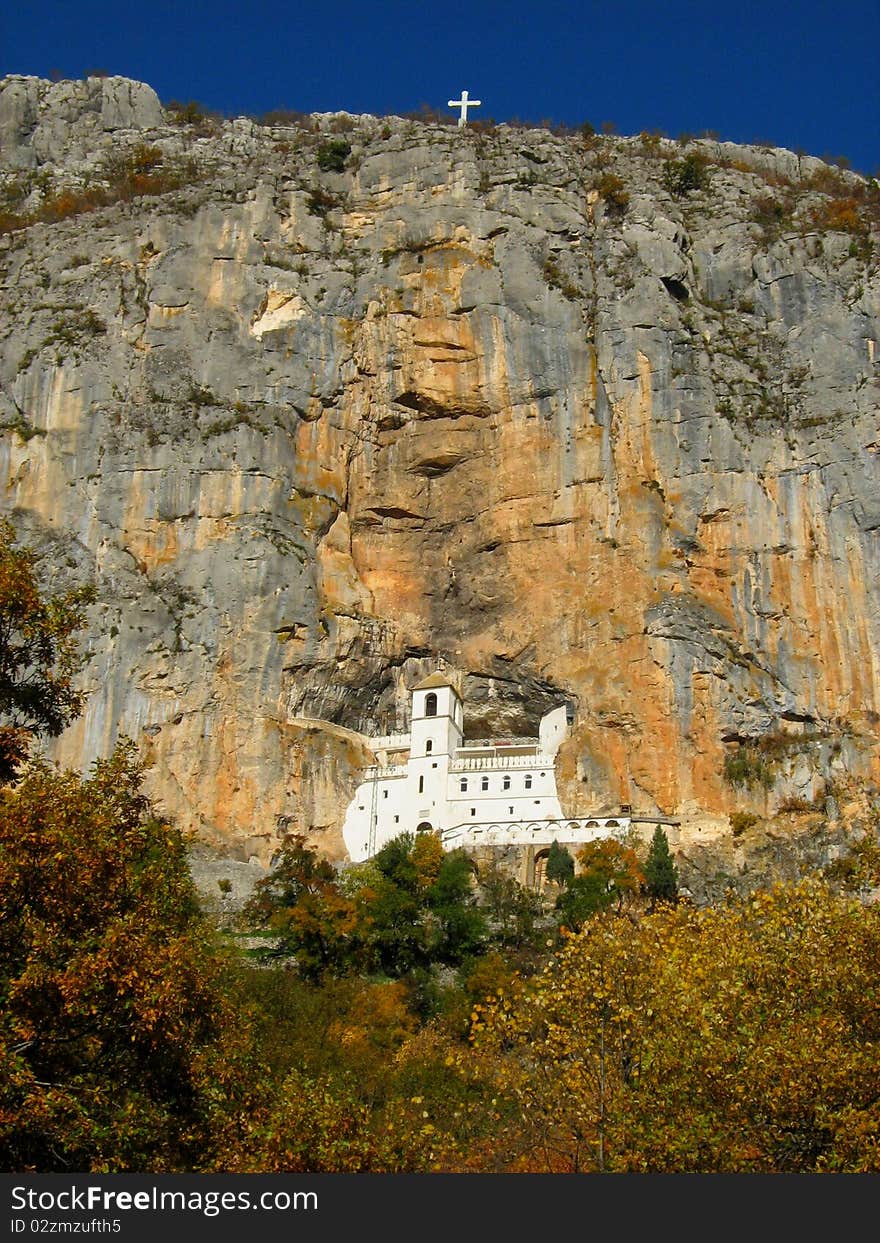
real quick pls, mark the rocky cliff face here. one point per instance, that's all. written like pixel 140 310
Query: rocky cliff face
pixel 584 419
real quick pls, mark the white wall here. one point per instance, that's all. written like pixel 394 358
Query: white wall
pixel 401 806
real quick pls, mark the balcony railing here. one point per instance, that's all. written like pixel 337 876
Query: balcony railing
pixel 502 761
pixel 375 773
pixel 499 742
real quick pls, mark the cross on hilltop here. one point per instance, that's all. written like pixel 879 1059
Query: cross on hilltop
pixel 464 103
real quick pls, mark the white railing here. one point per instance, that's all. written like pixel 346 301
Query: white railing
pixel 534 832
pixel 499 742
pixel 386 742
pixel 502 761
pixel 374 772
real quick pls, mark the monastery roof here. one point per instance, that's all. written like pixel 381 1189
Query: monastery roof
pixel 435 679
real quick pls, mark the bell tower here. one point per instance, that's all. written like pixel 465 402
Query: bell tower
pixel 437 722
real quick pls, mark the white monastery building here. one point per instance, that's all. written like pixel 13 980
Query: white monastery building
pixel 481 793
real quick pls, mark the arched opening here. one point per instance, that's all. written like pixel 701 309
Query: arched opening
pixel 429 747
pixel 484 783
pixel 424 827
pixel 540 872
pixel 430 704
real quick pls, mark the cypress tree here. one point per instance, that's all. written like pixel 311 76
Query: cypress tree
pixel 661 876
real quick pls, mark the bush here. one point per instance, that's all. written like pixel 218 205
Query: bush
pixel 285 116
pixel 193 115
pixel 682 176
pixel 795 803
pixel 129 174
pixel 769 214
pixel 747 767
pixel 613 194
pixel 332 155
pixel 320 202
pixel 558 279
pixel 840 215
pixel 740 821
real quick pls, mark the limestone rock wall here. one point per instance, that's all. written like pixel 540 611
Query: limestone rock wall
pixel 313 432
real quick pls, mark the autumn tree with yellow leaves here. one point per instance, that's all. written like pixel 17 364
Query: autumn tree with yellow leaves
pixel 119 1049
pixel 118 1046
pixel 738 1039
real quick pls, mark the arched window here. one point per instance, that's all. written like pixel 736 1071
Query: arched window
pixel 484 784
pixel 430 704
pixel 429 747
pixel 462 785
pixel 528 781
pixel 540 875
pixel 506 783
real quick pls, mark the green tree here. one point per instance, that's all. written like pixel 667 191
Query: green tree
pixel 39 659
pixel 609 875
pixel 560 864
pixel 451 898
pixel 661 876
pixel 682 176
pixel 331 155
pixel 512 910
pixel 582 897
pixel 313 921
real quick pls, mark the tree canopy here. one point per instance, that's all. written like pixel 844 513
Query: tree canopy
pixel 39 657
pixel 737 1039
pixel 411 905
pixel 117 1040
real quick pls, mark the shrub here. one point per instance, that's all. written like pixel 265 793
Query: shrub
pixel 770 214
pixel 840 215
pixel 682 176
pixel 320 202
pixel 331 155
pixel 614 195
pixel 795 803
pixel 141 171
pixel 747 767
pixel 193 115
pixel 740 821
pixel 285 116
pixel 827 181
pixel 557 279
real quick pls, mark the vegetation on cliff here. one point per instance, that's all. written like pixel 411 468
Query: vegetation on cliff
pixel 296 365
pixel 421 1012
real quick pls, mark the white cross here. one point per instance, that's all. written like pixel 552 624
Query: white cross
pixel 464 103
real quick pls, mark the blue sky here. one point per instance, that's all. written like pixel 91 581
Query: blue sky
pixel 802 74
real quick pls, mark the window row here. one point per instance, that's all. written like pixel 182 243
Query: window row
pixel 505 783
